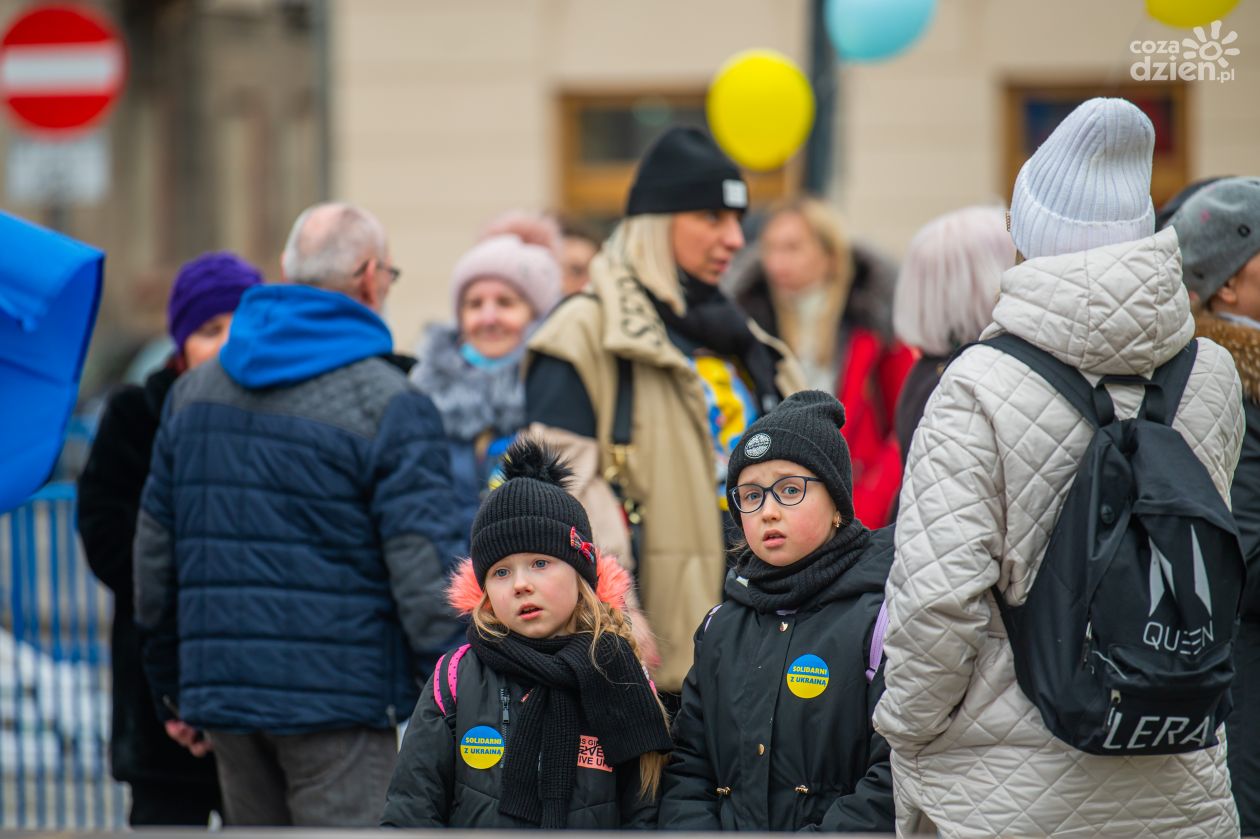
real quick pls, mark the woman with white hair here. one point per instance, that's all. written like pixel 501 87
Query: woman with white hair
pixel 647 380
pixel 945 295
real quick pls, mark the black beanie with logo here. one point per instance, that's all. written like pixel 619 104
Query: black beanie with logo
pixel 805 429
pixel 532 512
pixel 684 170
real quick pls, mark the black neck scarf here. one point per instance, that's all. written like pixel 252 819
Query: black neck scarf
pixel 714 322
pixel 613 699
pixel 772 588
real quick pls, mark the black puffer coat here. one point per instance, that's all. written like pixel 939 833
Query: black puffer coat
pixel 109 500
pixel 437 782
pixel 753 751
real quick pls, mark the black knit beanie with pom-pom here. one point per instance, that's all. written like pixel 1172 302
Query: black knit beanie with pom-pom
pixel 532 512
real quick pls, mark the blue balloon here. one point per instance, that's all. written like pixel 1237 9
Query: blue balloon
pixel 50 289
pixel 874 30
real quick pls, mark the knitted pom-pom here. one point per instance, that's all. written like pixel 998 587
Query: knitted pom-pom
pixel 527 458
pixel 530 228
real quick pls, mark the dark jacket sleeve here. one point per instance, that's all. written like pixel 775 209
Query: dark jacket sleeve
pixel 555 396
pixel 424 778
pixel 637 812
pixel 411 506
pixel 155 582
pixel 689 798
pixel 1245 501
pixel 869 808
pixel 110 487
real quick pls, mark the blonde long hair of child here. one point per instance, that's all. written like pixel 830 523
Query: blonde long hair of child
pixel 600 610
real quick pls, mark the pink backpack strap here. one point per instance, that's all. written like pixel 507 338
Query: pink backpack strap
pixel 448 668
pixel 877 642
pixel 437 684
pixel 452 671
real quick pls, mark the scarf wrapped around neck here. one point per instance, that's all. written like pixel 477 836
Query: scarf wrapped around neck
pixel 614 699
pixel 714 322
pixel 771 588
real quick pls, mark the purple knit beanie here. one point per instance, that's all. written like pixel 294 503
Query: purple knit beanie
pixel 206 287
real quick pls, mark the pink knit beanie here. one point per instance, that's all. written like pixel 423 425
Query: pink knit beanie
pixel 520 249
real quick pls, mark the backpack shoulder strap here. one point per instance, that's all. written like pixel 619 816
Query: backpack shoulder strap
pixel 1161 405
pixel 623 413
pixel 1068 381
pixel 875 656
pixel 446 682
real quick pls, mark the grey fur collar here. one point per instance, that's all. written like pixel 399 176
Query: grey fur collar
pixel 470 399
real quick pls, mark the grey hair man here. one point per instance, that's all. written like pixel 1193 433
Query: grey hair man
pixel 294 537
pixel 343 248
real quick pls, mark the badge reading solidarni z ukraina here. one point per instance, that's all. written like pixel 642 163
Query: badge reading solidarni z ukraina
pixel 481 747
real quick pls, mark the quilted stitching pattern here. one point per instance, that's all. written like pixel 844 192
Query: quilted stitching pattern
pixel 988 471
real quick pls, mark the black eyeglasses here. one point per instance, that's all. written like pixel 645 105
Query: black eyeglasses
pixel 788 491
pixel 394 272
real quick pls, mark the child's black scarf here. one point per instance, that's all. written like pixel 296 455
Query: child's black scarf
pixel 614 700
pixel 770 588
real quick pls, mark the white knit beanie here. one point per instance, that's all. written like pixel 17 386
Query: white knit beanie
pixel 1089 184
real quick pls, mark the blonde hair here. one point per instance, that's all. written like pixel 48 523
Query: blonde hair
pixel 950 279
pixel 596 617
pixel 825 226
pixel 645 245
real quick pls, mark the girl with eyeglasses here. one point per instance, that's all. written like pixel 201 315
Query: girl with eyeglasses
pixel 775 729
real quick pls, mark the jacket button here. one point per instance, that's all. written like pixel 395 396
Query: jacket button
pixel 723 790
pixel 803 790
pixel 783 626
pixel 761 748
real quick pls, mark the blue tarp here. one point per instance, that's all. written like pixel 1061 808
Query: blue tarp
pixel 50 289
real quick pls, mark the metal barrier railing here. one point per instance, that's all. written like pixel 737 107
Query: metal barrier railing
pixel 54 674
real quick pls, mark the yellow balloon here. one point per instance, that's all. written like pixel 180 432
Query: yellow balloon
pixel 760 109
pixel 1188 13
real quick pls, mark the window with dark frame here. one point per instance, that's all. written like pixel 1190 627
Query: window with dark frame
pixel 603 136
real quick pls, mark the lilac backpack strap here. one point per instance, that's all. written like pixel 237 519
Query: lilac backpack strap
pixel 451 673
pixel 877 642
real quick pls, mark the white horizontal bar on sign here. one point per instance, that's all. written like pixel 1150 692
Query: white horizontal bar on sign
pixel 83 70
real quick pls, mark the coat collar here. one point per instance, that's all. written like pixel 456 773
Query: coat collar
pixel 1114 310
pixel 1241 341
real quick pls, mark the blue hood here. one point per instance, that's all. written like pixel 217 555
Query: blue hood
pixel 285 334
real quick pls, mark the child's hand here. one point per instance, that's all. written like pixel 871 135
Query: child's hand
pixel 190 738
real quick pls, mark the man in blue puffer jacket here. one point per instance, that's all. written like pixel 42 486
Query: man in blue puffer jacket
pixel 294 538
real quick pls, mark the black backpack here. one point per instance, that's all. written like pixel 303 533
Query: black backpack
pixel 1125 642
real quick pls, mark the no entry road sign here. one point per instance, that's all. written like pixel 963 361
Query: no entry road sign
pixel 61 68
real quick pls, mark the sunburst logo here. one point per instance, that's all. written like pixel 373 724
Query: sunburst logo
pixel 1203 58
pixel 1214 48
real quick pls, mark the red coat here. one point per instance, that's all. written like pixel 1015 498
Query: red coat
pixel 870 379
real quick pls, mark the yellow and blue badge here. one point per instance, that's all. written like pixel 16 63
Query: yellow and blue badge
pixel 481 747
pixel 807 677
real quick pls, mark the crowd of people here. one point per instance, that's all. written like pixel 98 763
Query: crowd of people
pixel 684 531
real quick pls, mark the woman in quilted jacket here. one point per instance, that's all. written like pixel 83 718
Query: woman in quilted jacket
pixel 987 474
pixel 546 718
pixel 775 727
pixel 1219 229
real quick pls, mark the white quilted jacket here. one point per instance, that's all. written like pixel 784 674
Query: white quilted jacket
pixel 987 472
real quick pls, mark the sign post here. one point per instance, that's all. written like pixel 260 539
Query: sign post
pixel 61 70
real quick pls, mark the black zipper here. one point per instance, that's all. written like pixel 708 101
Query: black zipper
pixel 506 702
